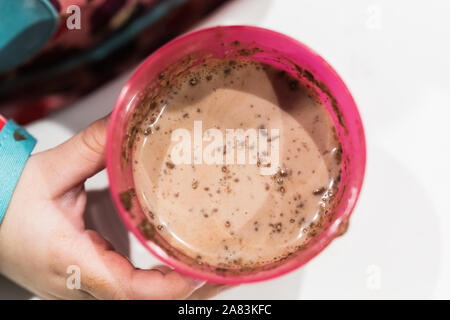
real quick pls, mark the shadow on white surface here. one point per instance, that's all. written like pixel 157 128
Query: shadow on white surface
pixel 101 216
pixel 286 287
pixel 392 249
pixel 11 291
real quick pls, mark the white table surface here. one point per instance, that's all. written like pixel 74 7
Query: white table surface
pixel 394 57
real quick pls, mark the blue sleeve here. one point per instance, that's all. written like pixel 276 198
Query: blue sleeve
pixel 16 145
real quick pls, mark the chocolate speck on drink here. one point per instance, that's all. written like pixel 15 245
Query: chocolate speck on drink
pixel 170 165
pixel 147 131
pixel 319 191
pixel 276 227
pixel 126 198
pixel 283 172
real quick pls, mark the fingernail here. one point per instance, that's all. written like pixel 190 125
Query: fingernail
pixel 196 283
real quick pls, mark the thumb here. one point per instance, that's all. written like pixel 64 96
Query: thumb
pixel 77 159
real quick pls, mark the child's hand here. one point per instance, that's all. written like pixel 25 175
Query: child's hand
pixel 43 231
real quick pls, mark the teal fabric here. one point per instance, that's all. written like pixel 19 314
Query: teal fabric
pixel 15 147
pixel 25 27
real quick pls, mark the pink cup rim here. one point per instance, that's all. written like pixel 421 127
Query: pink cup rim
pixel 325 237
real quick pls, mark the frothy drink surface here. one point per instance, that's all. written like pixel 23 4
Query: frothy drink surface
pixel 228 214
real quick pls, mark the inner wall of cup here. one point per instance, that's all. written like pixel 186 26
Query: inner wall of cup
pixel 217 47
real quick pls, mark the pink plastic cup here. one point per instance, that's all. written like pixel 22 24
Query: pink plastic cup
pixel 240 42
